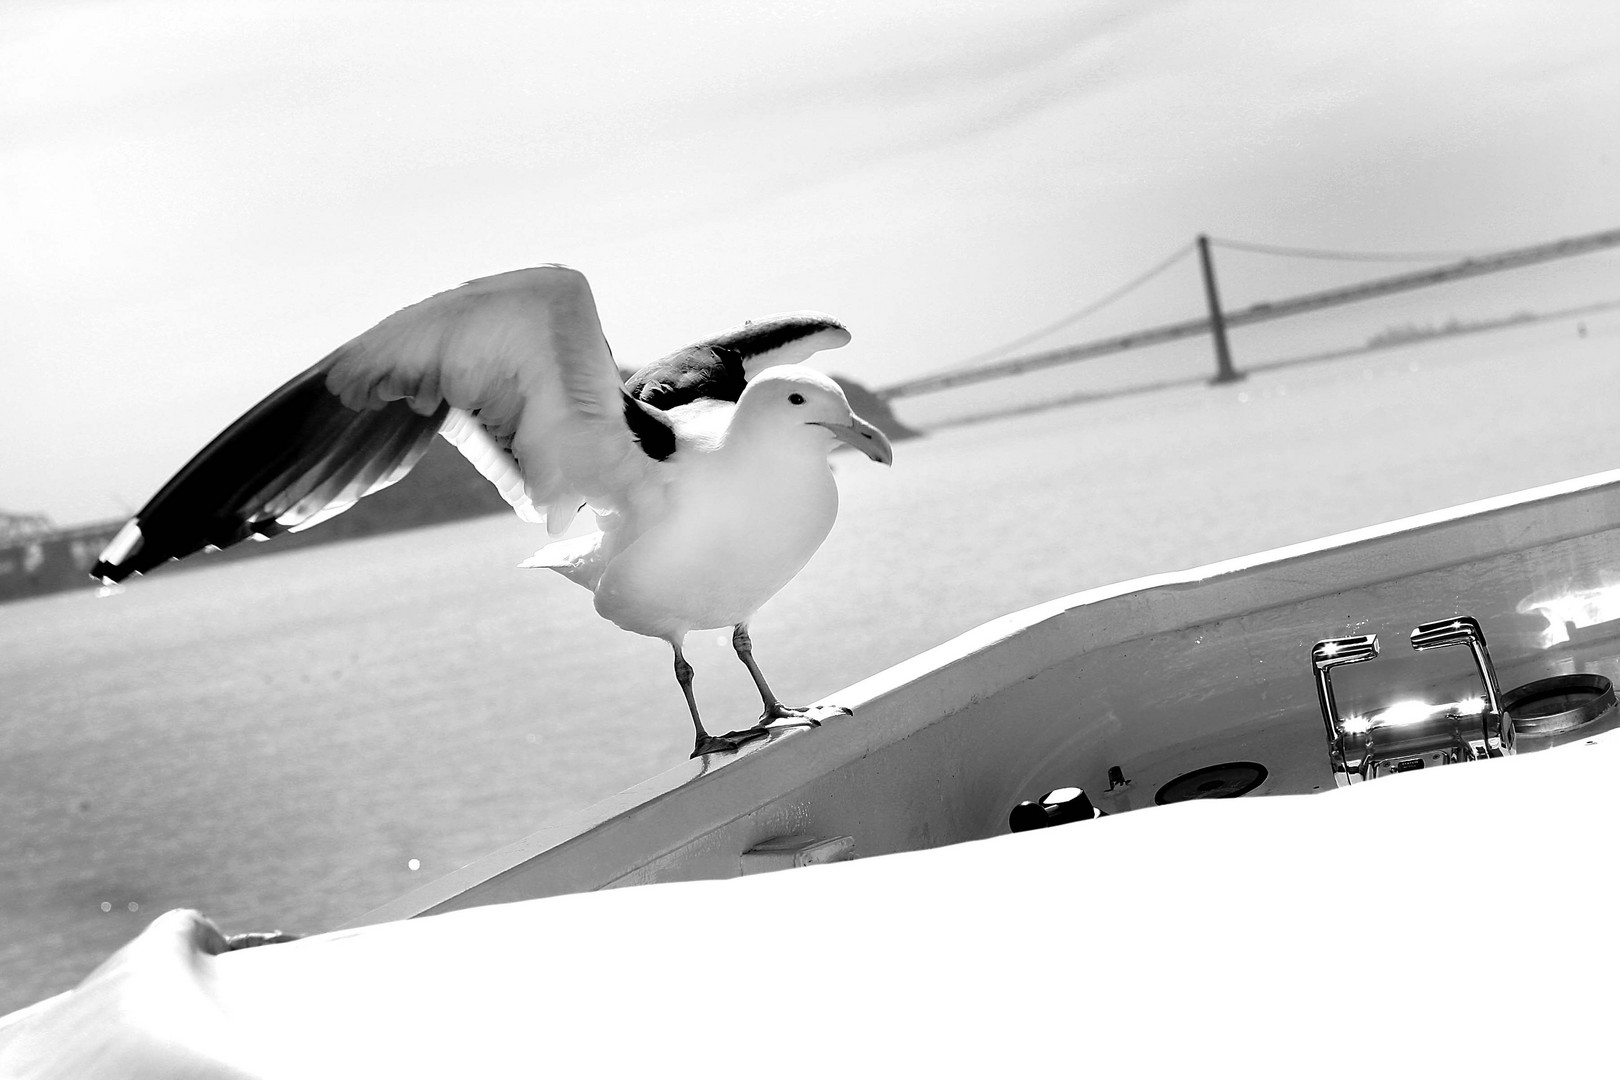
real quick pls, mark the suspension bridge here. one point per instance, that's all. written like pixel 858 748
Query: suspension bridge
pixel 1218 321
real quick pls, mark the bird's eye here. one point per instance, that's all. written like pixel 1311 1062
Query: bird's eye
pixel 795 399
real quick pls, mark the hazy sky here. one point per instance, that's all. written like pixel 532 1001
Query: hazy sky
pixel 197 200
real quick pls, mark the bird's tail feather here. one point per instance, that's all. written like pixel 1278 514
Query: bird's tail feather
pixel 579 559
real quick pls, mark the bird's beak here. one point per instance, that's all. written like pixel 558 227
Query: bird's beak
pixel 863 437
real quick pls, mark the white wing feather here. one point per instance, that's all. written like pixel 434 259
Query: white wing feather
pixel 522 362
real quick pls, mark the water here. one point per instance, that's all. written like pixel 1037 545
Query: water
pixel 287 742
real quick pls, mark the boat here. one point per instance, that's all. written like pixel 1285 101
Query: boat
pixel 1338 806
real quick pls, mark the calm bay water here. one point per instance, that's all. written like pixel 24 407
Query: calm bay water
pixel 276 741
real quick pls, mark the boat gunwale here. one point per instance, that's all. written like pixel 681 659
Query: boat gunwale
pixel 643 824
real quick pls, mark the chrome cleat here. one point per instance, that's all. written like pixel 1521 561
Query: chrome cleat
pixel 1410 734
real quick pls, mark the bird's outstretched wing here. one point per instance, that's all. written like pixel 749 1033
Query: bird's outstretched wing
pixel 718 367
pixel 514 370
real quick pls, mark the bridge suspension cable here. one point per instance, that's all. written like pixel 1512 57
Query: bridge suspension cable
pixel 1350 256
pixel 1076 315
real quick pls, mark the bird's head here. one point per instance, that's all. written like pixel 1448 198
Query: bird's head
pixel 797 403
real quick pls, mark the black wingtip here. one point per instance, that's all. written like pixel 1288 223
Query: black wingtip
pixel 294 459
pixel 118 559
pixel 760 336
pixel 107 575
pixel 719 367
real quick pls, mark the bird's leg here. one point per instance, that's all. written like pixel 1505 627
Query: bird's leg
pixel 774 709
pixel 705 743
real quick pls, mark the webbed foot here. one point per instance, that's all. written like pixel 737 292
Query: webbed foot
pixel 789 715
pixel 727 743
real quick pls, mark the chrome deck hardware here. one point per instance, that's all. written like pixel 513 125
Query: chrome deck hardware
pixel 1561 705
pixel 1410 734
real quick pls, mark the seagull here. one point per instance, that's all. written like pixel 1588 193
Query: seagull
pixel 707 471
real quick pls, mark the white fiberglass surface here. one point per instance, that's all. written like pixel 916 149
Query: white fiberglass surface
pixel 274 741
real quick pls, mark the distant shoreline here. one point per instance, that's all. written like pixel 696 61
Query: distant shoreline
pixel 444 488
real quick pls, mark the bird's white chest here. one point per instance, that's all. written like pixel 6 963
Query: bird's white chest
pixel 731 539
